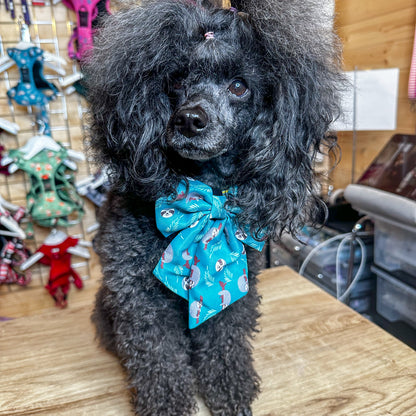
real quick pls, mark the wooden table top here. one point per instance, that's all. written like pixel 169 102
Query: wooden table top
pixel 315 356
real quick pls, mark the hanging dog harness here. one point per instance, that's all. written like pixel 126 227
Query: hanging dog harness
pixel 32 88
pixel 206 262
pixel 52 197
pixel 87 12
pixel 61 273
pixel 13 254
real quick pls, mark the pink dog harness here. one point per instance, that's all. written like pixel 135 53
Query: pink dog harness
pixel 87 12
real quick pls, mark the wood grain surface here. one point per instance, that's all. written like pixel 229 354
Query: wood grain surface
pixel 315 356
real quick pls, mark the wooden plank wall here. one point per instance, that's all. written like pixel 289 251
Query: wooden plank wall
pixel 375 34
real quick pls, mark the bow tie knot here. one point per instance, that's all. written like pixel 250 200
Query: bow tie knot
pixel 206 261
pixel 218 211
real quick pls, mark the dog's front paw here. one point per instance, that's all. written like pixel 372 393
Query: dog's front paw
pixel 245 412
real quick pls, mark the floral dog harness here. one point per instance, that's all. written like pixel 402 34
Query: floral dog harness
pixel 52 197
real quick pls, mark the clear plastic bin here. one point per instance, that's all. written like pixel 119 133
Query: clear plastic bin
pixel 396 301
pixel 395 246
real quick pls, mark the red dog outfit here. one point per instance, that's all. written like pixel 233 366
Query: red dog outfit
pixel 59 259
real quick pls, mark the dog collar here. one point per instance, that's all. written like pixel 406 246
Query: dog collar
pixel 206 261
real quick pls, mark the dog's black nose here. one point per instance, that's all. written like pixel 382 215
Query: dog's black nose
pixel 190 121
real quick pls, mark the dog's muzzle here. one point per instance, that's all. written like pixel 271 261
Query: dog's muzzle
pixel 190 121
pixel 192 134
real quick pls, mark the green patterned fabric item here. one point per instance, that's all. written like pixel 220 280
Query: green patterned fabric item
pixel 52 199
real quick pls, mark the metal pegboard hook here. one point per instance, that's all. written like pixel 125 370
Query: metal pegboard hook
pixel 41 126
pixel 23 30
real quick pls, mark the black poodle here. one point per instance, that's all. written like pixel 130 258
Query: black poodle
pixel 194 106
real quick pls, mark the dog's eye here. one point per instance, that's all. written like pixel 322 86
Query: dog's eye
pixel 178 81
pixel 238 88
pixel 178 84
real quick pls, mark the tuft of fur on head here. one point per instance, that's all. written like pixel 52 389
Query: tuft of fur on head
pixel 264 145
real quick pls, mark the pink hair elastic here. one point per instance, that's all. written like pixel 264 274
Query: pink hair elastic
pixel 209 35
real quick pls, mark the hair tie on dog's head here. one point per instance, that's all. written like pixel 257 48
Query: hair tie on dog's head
pixel 233 9
pixel 209 35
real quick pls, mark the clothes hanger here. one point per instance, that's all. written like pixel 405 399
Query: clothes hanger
pixel 92 182
pixel 9 126
pixel 8 205
pixel 37 144
pixel 55 238
pixel 25 43
pixel 41 142
pixel 71 79
pixel 71 83
pixel 7 221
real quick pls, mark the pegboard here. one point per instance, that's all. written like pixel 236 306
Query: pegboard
pixel 50 30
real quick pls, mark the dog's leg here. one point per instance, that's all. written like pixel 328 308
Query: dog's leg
pixel 101 317
pixel 147 320
pixel 151 341
pixel 223 361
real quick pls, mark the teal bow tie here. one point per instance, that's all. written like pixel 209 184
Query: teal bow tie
pixel 206 262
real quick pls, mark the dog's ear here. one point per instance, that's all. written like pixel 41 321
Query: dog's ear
pixel 126 76
pixel 301 70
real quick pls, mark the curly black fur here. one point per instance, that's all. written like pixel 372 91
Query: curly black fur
pixel 260 97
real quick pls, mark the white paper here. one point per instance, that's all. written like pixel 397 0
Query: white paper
pixel 376 96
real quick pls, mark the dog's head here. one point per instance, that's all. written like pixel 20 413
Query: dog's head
pixel 209 115
pixel 178 89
